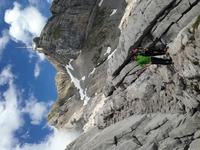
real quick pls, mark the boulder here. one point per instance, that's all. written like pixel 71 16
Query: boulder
pixel 194 145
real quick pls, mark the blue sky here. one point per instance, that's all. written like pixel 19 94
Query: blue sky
pixel 27 84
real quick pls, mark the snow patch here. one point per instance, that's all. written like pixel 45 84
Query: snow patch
pixel 83 78
pixel 86 98
pixel 70 66
pixel 92 72
pixel 113 12
pixel 111 54
pixel 100 2
pixel 108 50
pixel 77 83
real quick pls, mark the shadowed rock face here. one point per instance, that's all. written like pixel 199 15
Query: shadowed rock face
pixel 91 39
pixel 63 36
pixel 129 107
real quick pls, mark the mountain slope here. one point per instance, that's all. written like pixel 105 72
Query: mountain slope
pixel 103 93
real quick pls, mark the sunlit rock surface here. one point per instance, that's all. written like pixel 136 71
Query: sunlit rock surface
pixel 103 93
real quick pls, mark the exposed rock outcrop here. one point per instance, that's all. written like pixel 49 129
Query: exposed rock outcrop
pixel 113 101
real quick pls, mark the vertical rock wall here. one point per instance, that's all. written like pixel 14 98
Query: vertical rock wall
pixel 170 94
pixel 129 107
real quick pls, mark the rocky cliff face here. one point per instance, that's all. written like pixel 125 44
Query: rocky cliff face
pixel 113 101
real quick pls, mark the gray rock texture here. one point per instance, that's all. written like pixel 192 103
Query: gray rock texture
pixel 117 104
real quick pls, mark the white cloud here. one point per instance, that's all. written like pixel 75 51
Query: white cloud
pixel 36 110
pixel 11 119
pixel 57 141
pixel 25 24
pixel 50 1
pixel 4 40
pixel 38 63
pixel 10 115
pixel 41 56
pixel 6 76
pixel 37 70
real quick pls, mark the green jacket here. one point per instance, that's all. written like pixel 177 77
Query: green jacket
pixel 142 60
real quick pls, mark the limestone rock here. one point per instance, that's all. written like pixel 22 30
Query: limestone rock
pixel 188 128
pixel 155 123
pixel 197 134
pixel 149 146
pixel 169 144
pixel 109 138
pixel 63 36
pixel 125 106
pixel 194 145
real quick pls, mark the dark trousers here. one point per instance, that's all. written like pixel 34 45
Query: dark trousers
pixel 154 52
pixel 161 61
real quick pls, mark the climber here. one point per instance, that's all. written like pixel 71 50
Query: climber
pixel 145 61
pixel 149 51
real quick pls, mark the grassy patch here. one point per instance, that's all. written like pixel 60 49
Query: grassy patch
pixel 182 47
pixel 56 32
pixel 192 38
pixel 195 87
pixel 195 26
pixel 97 56
pixel 60 101
pixel 197 22
pixel 196 63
